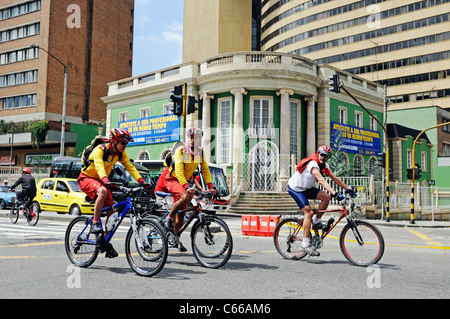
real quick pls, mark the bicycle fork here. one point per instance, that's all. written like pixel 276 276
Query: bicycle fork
pixel 355 231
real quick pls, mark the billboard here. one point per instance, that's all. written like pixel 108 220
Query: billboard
pixel 355 139
pixel 153 130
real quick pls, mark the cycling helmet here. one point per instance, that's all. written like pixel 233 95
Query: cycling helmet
pixel 121 135
pixel 194 131
pixel 324 150
pixel 26 170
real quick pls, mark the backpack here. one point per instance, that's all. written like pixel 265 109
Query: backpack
pixel 168 160
pixel 88 150
pixel 304 162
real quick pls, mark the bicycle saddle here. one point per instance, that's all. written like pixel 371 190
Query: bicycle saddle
pixel 163 194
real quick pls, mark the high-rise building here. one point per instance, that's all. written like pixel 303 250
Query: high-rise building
pixel 214 27
pixel 403 44
pixel 93 39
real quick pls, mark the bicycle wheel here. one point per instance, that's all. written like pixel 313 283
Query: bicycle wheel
pixel 14 214
pixel 33 214
pixel 211 241
pixel 362 245
pixel 147 250
pixel 79 243
pixel 288 237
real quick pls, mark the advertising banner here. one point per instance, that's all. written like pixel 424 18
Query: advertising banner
pixel 153 130
pixel 355 139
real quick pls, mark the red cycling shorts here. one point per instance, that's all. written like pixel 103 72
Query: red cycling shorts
pixel 169 184
pixel 89 186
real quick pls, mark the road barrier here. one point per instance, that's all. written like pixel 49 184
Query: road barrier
pixel 255 225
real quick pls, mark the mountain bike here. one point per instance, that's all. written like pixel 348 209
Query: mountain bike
pixel 146 246
pixel 361 242
pixel 211 240
pixel 31 212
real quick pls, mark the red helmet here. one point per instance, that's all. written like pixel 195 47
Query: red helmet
pixel 121 135
pixel 324 150
pixel 194 131
pixel 26 171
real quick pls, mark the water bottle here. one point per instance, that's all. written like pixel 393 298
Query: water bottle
pixel 112 221
pixel 328 224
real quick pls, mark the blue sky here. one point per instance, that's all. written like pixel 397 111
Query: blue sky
pixel 158 35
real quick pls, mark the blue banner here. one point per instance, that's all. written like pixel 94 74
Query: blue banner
pixel 355 139
pixel 153 130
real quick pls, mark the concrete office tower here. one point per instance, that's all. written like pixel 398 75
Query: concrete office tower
pixel 403 44
pixel 213 27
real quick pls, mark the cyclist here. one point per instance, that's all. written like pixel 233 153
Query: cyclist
pixel 94 182
pixel 174 179
pixel 301 188
pixel 28 186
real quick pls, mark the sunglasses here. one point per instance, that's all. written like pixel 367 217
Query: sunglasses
pixel 123 143
pixel 325 155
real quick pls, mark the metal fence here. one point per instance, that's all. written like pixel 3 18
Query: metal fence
pixel 13 174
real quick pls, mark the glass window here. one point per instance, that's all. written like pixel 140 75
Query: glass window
pixel 225 131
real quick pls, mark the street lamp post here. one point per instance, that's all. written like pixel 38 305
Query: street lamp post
pixel 63 120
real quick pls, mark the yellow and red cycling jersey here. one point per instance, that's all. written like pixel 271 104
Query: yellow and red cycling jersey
pixel 100 169
pixel 186 162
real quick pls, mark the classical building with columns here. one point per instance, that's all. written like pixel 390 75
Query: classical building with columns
pixel 261 113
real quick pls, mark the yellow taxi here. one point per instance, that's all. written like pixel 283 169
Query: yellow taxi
pixel 62 195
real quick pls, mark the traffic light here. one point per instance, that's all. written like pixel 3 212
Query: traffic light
pixel 334 83
pixel 190 108
pixel 417 172
pixel 409 173
pixel 381 159
pixel 177 99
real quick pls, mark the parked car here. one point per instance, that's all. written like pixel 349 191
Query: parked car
pixel 6 197
pixel 62 195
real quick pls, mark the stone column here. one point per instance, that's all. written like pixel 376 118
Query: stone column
pixel 285 115
pixel 238 130
pixel 206 124
pixel 310 125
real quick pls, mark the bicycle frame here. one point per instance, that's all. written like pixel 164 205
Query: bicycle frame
pixel 196 211
pixel 344 214
pixel 127 204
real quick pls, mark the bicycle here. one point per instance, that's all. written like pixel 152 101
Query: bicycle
pixel 361 242
pixel 146 247
pixel 31 212
pixel 211 240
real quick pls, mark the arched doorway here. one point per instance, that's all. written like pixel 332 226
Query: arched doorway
pixel 264 167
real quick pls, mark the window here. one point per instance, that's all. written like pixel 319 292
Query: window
pixel 168 109
pixel 123 117
pixel 358 119
pixel 62 187
pixel 144 156
pixel 423 161
pixel 225 131
pixel 342 115
pixel 145 113
pixel 261 122
pixel 408 158
pixel 373 124
pixel 294 128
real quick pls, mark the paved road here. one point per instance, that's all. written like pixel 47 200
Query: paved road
pixel 33 264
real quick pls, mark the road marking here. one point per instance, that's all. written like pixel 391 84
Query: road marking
pixel 430 241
